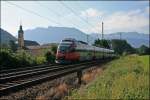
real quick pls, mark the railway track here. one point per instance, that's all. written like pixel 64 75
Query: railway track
pixel 5 71
pixel 3 75
pixel 24 68
pixel 14 81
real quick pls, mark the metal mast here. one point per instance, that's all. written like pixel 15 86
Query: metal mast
pixel 120 36
pixel 102 31
pixel 103 39
pixel 87 38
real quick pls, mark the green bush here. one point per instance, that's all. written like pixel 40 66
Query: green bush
pixel 7 58
pixel 21 58
pixel 54 49
pixel 40 60
pixel 25 59
pixel 143 50
pixel 50 57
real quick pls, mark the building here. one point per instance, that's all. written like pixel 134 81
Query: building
pixel 40 50
pixel 20 38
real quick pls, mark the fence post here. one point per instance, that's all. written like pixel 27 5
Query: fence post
pixel 79 75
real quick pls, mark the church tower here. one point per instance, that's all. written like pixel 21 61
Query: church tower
pixel 20 38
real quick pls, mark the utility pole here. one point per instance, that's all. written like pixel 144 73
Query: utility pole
pixel 120 36
pixel 102 31
pixel 102 39
pixel 87 34
pixel 87 38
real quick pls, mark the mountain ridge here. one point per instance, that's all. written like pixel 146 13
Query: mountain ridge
pixel 134 38
pixel 56 34
pixel 5 37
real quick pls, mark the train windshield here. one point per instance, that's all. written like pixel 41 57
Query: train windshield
pixel 65 45
pixel 63 48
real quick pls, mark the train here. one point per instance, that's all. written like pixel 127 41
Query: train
pixel 71 50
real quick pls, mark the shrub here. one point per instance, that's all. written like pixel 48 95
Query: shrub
pixel 50 57
pixel 54 49
pixel 8 59
pixel 143 50
pixel 25 59
pixel 40 60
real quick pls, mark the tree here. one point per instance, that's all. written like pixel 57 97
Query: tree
pixel 120 46
pixel 7 58
pixel 50 58
pixel 54 49
pixel 102 43
pixel 143 50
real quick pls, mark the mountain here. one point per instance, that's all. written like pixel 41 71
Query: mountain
pixel 134 38
pixel 30 43
pixel 54 34
pixel 5 37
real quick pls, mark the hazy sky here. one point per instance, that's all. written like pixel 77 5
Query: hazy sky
pixel 85 15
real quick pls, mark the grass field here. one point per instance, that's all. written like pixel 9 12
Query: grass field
pixel 124 78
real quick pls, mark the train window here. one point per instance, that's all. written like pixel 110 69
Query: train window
pixel 67 41
pixel 63 48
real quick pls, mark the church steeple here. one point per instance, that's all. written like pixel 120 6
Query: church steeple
pixel 20 37
pixel 20 29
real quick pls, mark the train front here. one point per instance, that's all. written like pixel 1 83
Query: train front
pixel 66 52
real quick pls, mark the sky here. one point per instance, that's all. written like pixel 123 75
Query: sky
pixel 87 16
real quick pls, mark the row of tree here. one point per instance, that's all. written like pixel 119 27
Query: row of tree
pixel 121 46
pixel 10 58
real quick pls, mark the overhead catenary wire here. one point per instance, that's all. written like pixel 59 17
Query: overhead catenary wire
pixel 89 36
pixel 56 13
pixel 32 12
pixel 86 21
pixel 48 8
pixel 44 17
pixel 76 14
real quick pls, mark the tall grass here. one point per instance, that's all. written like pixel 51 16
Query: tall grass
pixel 125 78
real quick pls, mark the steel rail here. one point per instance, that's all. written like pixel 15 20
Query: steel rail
pixel 60 73
pixel 30 69
pixel 4 71
pixel 24 68
pixel 27 71
pixel 24 75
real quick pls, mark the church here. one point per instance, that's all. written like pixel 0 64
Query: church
pixel 20 38
pixel 31 47
pixel 23 44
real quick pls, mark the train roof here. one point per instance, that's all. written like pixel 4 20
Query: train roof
pixel 88 46
pixel 72 39
pixel 103 49
pixel 69 39
pixel 83 42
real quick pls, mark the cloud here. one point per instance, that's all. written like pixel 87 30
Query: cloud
pixel 91 12
pixel 134 20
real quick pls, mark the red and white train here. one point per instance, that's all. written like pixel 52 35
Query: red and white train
pixel 71 50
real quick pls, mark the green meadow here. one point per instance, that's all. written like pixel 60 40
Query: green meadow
pixel 123 78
